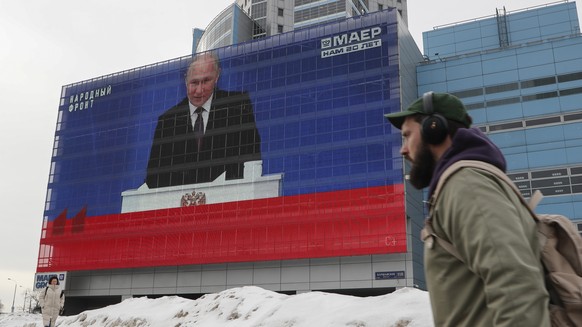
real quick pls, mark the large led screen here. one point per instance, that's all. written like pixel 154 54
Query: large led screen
pixel 266 150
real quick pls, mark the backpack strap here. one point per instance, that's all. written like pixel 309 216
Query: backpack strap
pixel 46 290
pixel 428 235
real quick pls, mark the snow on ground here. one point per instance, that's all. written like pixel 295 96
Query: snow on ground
pixel 252 307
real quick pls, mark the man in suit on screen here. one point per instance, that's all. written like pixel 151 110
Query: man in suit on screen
pixel 209 132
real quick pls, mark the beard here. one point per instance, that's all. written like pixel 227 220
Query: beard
pixel 422 168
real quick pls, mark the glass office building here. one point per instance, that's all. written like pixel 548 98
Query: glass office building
pixel 314 200
pixel 231 26
pixel 520 75
pixel 253 19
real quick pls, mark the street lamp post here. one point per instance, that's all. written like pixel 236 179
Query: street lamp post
pixel 14 296
pixel 24 304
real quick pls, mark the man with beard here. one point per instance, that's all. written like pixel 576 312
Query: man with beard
pixel 500 280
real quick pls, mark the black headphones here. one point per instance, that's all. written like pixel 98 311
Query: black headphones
pixel 434 126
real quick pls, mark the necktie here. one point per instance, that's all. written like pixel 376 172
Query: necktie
pixel 199 127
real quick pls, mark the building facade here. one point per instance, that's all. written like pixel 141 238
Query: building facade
pixel 270 17
pixel 231 26
pixel 520 75
pixel 325 207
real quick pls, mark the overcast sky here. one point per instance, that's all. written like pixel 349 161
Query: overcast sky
pixel 47 44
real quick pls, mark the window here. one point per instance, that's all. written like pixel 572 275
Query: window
pixel 475 106
pixel 573 117
pixel 280 12
pixel 259 10
pixel 380 7
pixel 571 91
pixel 569 77
pixel 501 88
pixel 505 126
pixel 279 28
pixel 502 102
pixel 540 96
pixel 542 121
pixel 538 82
pixel 469 93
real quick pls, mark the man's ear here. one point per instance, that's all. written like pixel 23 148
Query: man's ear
pixel 439 149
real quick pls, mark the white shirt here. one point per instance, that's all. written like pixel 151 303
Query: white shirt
pixel 205 112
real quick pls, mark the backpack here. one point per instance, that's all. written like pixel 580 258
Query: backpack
pixel 560 248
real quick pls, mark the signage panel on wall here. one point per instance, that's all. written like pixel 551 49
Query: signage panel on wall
pixel 41 280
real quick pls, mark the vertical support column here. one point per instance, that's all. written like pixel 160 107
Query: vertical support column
pixel 502 27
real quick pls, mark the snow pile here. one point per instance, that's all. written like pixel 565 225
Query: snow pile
pixel 252 307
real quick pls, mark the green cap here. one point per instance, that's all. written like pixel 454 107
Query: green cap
pixel 445 104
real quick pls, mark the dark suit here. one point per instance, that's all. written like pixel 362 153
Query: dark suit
pixel 231 139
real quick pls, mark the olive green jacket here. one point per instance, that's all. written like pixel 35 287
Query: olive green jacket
pixel 501 281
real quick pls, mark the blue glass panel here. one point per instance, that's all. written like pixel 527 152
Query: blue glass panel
pixel 517 161
pixel 574 154
pixel 541 107
pixel 547 158
pixel 508 139
pixel 544 135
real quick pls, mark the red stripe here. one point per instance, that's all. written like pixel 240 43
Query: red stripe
pixel 342 223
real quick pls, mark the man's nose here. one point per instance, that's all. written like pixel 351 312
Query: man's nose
pixel 403 150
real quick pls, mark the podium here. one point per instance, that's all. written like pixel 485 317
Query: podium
pixel 252 186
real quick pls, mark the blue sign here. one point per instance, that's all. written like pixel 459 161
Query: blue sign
pixel 390 275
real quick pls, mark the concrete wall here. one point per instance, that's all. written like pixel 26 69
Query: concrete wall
pixel 290 275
